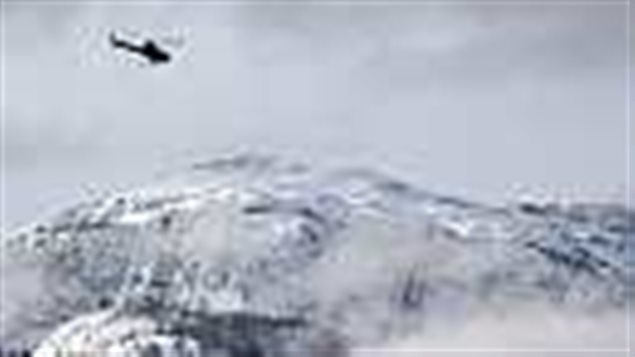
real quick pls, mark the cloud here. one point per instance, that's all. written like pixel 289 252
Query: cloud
pixel 542 331
pixel 467 99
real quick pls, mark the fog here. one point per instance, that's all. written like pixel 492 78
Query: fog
pixel 540 331
pixel 483 100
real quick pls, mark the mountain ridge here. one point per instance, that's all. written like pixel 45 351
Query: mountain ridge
pixel 316 257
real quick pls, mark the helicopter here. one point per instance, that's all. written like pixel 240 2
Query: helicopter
pixel 152 52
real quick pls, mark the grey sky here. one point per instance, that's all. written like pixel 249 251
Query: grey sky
pixel 486 101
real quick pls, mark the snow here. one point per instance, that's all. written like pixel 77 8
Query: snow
pixel 341 249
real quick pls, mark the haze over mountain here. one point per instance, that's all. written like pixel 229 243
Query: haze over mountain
pixel 439 178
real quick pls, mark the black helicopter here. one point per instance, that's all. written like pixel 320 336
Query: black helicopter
pixel 150 50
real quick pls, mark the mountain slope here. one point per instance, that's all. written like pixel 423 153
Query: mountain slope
pixel 252 256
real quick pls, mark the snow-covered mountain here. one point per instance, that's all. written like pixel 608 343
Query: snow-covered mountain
pixel 253 256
